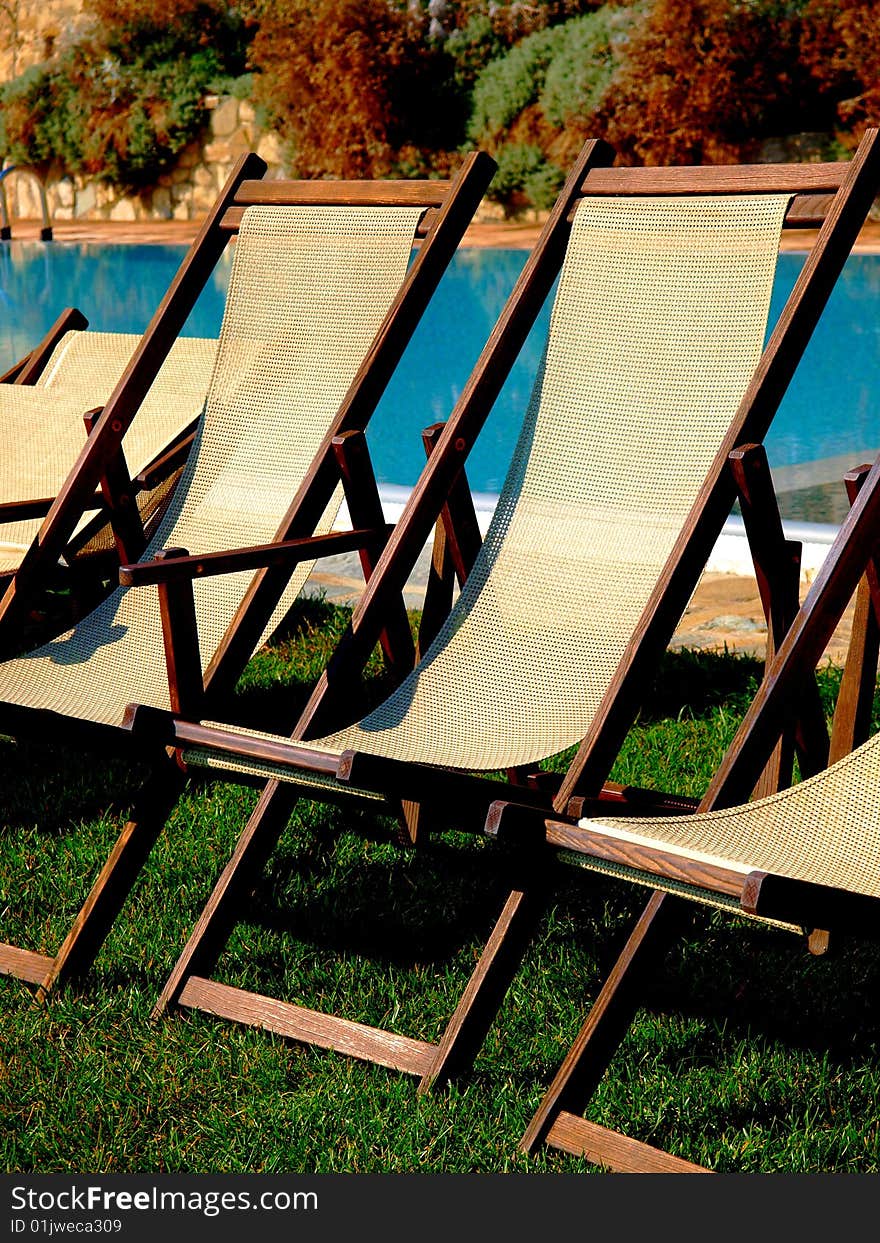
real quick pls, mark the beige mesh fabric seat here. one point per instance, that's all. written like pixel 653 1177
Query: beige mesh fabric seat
pixel 655 370
pixel 594 499
pixel 823 831
pixel 324 295
pixel 42 430
pixel 308 290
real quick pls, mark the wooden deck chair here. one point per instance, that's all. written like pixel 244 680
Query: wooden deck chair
pixel 46 409
pixel 806 857
pixel 322 301
pixel 654 371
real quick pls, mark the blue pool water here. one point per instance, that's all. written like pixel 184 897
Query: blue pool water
pixel 831 410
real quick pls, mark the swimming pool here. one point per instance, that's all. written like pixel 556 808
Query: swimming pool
pixel 829 420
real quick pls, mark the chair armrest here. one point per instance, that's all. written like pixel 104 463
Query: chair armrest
pixel 157 726
pixel 260 556
pixel 163 465
pixel 20 511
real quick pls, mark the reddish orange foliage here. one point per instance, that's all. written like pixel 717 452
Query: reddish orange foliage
pixel 841 47
pixel 159 13
pixel 702 80
pixel 331 73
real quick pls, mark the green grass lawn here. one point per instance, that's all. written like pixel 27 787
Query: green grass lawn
pixel 749 1055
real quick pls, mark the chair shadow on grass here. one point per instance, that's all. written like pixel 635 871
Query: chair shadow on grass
pixel 408 911
pixel 276 685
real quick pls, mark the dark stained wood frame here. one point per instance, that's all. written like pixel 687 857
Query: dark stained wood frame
pixel 847 190
pixel 457 541
pixel 118 492
pixel 852 713
pixel 115 504
pixel 558 1120
pixel 365 512
pixel 777 563
pixel 448 209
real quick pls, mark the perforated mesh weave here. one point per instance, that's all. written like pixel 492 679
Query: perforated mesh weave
pixel 825 830
pixel 308 291
pixel 42 430
pixel 656 330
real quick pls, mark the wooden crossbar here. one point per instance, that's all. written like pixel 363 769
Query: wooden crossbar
pixel 718 179
pixel 23 964
pixel 345 193
pixel 414 1057
pixel 615 1151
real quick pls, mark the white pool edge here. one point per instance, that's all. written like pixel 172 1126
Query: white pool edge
pixel 729 556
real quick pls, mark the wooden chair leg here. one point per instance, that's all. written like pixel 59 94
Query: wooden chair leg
pixel 365 510
pixel 851 724
pixel 190 986
pixel 116 879
pixel 558 1119
pixel 852 713
pixel 211 932
pixel 503 953
pixel 777 571
pixel 414 823
pixel 438 591
pixel 120 497
pixel 180 635
pixel 457 542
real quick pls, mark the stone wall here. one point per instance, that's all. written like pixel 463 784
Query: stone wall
pixel 186 192
pixel 32 30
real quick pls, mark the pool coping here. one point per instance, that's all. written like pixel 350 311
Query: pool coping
pixel 514 235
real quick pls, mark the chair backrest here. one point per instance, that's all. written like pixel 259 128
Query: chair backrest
pixel 91 363
pixel 43 426
pixel 744 384
pixel 321 301
pixel 309 290
pixel 444 209
pixel 656 329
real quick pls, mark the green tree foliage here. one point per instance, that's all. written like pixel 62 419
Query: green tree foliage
pixel 529 102
pixel 509 84
pixel 591 48
pixel 471 47
pixel 123 102
pixel 375 87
